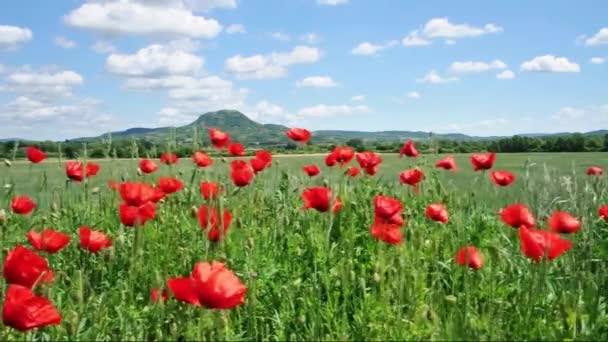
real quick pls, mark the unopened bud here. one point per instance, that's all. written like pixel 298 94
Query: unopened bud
pixel 2 216
pixel 224 159
pixel 181 173
pixel 451 299
pixel 325 182
pixel 194 211
pixel 7 162
pixel 95 190
pixel 8 186
pixel 139 172
pixel 376 277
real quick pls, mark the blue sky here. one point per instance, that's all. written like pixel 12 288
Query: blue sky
pixel 73 68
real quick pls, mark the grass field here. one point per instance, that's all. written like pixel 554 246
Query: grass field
pixel 318 276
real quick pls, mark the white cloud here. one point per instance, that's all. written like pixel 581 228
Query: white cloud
pixel 413 95
pixel 235 28
pixel 103 47
pixel 42 84
pixel 280 36
pixel 64 42
pixel 331 2
pixel 434 78
pixel 358 98
pixel 469 66
pixel 12 36
pixel 267 112
pixel 139 17
pixel 580 119
pixel 414 39
pixel 205 5
pixel 506 75
pixel 273 65
pixel 323 110
pixel 311 38
pixel 155 60
pixel 317 82
pixel 600 38
pixel 367 48
pixel 442 28
pixel 550 63
pixel 597 60
pixel 450 42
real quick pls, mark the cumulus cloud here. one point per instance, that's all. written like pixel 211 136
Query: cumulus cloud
pixel 550 63
pixel 64 42
pixel 139 17
pixel 331 2
pixel 273 65
pixel 413 95
pixel 367 48
pixel 317 82
pixel 506 75
pixel 103 47
pixel 434 78
pixel 311 38
pixel 597 60
pixel 280 36
pixel 235 28
pixel 12 36
pixel 600 38
pixel 44 84
pixel 442 28
pixel 473 67
pixel 414 39
pixel 323 110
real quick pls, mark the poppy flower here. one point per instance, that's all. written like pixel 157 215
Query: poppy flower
pixel 353 171
pixel 502 178
pixel 483 161
pixel 34 155
pixel 22 205
pixel 48 240
pixel 317 198
pixel 257 164
pixel 209 220
pixel 132 216
pixel 113 185
pixel 595 171
pixel 26 268
pixel 409 150
pixel 157 194
pixel 337 206
pixel 330 160
pixel 137 194
pixel 411 177
pixel 517 215
pixel 147 166
pixel 211 285
pixel 369 162
pixel 265 156
pixel 343 155
pixel 236 150
pixel 170 185
pixel 447 163
pixel 469 256
pixel 218 138
pixel 300 135
pixel 201 159
pixel 311 170
pixel 93 240
pixel 169 158
pixel 536 244
pixel 74 170
pixel 437 212
pixel 389 233
pixel 210 190
pixel 23 310
pixel 241 173
pixel 603 212
pixel 388 210
pixel 562 222
pixel 157 296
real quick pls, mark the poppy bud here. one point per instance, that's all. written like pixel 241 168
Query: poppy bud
pixel 7 162
pixel 181 173
pixel 194 211
pixel 376 277
pixel 451 299
pixel 139 172
pixel 95 190
pixel 325 182
pixel 8 186
pixel 2 216
pixel 55 206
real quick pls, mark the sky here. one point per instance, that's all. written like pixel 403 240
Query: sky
pixel 73 68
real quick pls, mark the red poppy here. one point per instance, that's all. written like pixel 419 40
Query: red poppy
pixel 236 149
pixel 437 212
pixel 317 198
pixel 535 244
pixel 469 256
pixel 169 158
pixel 113 185
pixel 93 240
pixel 330 160
pixel 337 206
pixel 388 210
pixel 74 170
pixel 49 240
pixel 170 185
pixel 603 212
pixel 147 166
pixel 132 216
pixel 22 205
pixel 409 150
pixel 209 285
pixel 300 135
pixel 483 161
pixel 343 154
pixel 26 268
pixel 311 170
pixel 157 296
pixel 353 171
pixel 389 233
pixel 157 195
pixel 218 138
pixel 241 173
pixel 34 155
pixel 517 215
pixel 265 156
pixel 411 177
pixel 257 164
pixel 92 169
pixel 369 162
pixel 137 194
pixel 447 163
pixel 209 220
pixel 562 222
pixel 502 178
pixel 595 171
pixel 23 310
pixel 210 190
pixel 201 159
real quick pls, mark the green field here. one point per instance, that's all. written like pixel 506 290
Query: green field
pixel 317 276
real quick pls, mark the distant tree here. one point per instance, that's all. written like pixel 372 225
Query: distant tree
pixel 605 148
pixel 69 151
pixel 357 144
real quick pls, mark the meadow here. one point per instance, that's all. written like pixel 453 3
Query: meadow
pixel 318 276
